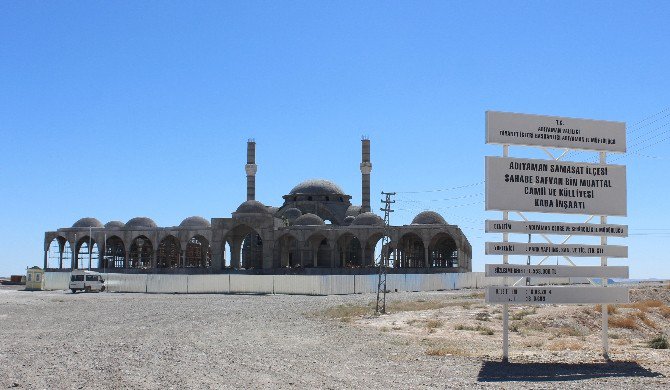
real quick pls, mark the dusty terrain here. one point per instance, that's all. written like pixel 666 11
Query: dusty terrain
pixel 431 340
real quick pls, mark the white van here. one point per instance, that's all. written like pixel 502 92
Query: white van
pixel 88 281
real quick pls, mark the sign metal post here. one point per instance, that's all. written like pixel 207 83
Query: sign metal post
pixel 560 187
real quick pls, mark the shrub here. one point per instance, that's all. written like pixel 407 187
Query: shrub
pixel 482 316
pixel 433 324
pixel 611 309
pixel 522 313
pixel 485 331
pixel 481 329
pixel 627 322
pixel 644 305
pixel 643 317
pixel 443 351
pixel 562 345
pixel 346 312
pixel 659 342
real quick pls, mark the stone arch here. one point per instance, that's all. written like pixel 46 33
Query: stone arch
pixel 442 251
pixel 374 248
pixel 198 252
pixel 411 251
pixel 349 251
pixel 287 251
pixel 247 247
pixel 86 253
pixel 168 254
pixel 115 253
pixel 141 253
pixel 55 253
pixel 318 251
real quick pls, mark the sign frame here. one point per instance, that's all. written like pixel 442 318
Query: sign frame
pixel 555 271
pixel 539 295
pixel 510 248
pixel 555 228
pixel 508 128
pixel 558 187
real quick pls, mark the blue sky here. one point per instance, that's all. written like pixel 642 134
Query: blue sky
pixel 123 109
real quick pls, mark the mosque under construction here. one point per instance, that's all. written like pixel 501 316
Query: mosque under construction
pixel 316 230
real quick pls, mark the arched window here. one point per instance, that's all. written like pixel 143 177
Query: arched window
pixel 198 253
pixel 115 253
pixel 141 251
pixel 169 253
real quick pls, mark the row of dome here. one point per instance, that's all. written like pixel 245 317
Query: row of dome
pixel 294 216
pixel 353 215
pixel 139 223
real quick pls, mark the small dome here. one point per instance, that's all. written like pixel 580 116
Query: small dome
pixel 87 222
pixel 195 222
pixel 114 225
pixel 309 219
pixel 291 214
pixel 428 218
pixel 353 211
pixel 368 219
pixel 272 210
pixel 252 207
pixel 317 187
pixel 348 220
pixel 141 223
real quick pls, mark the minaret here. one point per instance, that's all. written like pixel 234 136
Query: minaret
pixel 366 168
pixel 251 169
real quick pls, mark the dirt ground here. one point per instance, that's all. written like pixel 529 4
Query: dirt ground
pixel 59 340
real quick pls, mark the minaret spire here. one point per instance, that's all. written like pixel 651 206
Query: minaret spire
pixel 366 168
pixel 251 169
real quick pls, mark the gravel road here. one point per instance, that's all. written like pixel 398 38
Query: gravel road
pixel 59 340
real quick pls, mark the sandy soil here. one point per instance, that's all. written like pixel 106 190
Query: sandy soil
pixel 60 340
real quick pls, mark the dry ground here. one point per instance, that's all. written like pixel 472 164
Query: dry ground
pixel 430 340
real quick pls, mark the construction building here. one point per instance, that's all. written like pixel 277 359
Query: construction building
pixel 316 230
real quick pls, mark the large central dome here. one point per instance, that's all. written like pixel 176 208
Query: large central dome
pixel 317 187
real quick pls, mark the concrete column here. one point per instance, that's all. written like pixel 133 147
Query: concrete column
pixel 283 255
pixel 216 261
pixel 235 249
pixel 60 257
pixel 427 253
pixel 364 261
pixel 101 254
pixel 366 168
pixel 126 258
pixel 251 168
pixel 332 256
pixel 268 255
pixel 45 258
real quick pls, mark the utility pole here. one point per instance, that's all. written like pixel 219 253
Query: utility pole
pixel 384 254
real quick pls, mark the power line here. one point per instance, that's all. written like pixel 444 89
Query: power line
pixel 651 116
pixel 441 199
pixel 443 189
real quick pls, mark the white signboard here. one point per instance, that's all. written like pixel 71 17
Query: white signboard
pixel 574 229
pixel 547 186
pixel 553 131
pixel 556 271
pixel 546 249
pixel 533 295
